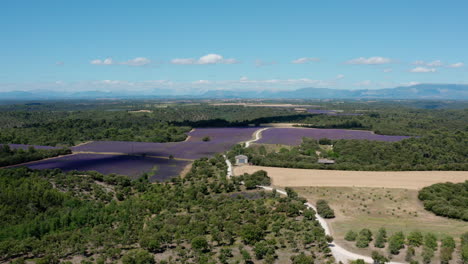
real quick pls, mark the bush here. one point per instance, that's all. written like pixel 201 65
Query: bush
pixel 378 258
pixel 302 259
pixel 415 239
pixel 427 254
pixel 324 210
pixel 396 242
pixel 138 256
pixel 199 244
pixel 364 238
pixel 430 241
pixel 381 238
pixel 257 178
pixel 350 236
pixel 263 249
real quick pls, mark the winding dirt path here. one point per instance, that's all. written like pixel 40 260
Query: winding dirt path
pixel 339 253
pixel 256 136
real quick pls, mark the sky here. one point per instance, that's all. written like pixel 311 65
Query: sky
pixel 189 46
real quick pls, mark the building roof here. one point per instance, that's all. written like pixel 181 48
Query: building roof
pixel 241 157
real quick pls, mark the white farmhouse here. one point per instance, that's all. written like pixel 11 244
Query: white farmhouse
pixel 241 159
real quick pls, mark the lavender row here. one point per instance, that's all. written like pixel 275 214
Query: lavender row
pixel 220 140
pixel 133 166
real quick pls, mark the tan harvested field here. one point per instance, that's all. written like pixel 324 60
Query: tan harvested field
pixel 263 105
pixel 414 180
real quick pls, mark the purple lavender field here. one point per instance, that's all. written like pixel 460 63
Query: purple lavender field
pixel 138 160
pixel 221 139
pixel 25 147
pixel 293 136
pixel 133 166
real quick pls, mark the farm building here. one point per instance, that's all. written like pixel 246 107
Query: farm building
pixel 241 159
pixel 325 161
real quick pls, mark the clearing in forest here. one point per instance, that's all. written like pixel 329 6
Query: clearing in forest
pixel 286 177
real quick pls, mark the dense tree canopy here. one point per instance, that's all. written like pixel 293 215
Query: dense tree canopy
pixel 50 215
pixel 446 199
pixel 10 156
pixel 435 151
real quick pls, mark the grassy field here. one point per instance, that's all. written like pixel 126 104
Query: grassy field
pixel 393 209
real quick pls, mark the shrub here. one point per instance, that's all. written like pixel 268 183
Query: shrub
pixel 415 239
pixel 430 241
pixel 138 256
pixel 364 238
pixel 263 249
pixel 302 259
pixel 324 210
pixel 350 236
pixel 381 238
pixel 427 254
pixel 257 178
pixel 396 242
pixel 199 243
pixel 378 258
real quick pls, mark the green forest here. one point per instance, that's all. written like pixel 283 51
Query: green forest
pixel 434 151
pixel 60 124
pixel 9 156
pixel 446 199
pixel 48 216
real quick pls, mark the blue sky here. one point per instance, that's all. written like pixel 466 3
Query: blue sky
pixel 199 45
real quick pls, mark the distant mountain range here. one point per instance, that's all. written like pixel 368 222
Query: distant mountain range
pixel 420 91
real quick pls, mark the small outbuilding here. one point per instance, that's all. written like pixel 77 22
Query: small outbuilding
pixel 325 161
pixel 241 159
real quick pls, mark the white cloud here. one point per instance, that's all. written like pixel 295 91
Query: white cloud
pixel 243 79
pixel 305 60
pixel 139 61
pixel 410 83
pixel 456 65
pixel 340 76
pixel 207 59
pixel 370 61
pixel 422 70
pixel 107 61
pixel 261 63
pixel 201 82
pixel 387 70
pixel 436 63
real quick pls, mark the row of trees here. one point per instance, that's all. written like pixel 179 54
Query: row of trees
pixel 398 241
pixel 9 156
pixel 446 199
